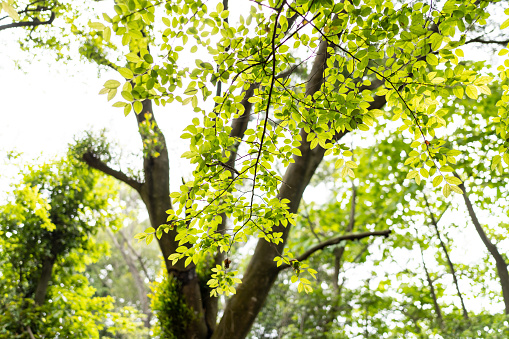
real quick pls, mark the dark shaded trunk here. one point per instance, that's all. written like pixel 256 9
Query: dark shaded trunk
pixel 501 265
pixel 155 193
pixel 44 280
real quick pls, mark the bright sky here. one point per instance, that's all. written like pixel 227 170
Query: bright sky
pixel 44 107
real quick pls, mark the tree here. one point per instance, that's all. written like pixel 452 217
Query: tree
pixel 355 69
pixel 47 229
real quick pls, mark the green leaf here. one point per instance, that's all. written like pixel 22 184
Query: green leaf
pixel 126 73
pixel 149 238
pixel 506 158
pixel 505 24
pixel 107 34
pixel 119 104
pixel 10 11
pixel 432 59
pixel 456 189
pixel 437 80
pixel 96 25
pixel 104 91
pixel 138 106
pixel 351 164
pixel 437 180
pixel 458 92
pixel 111 94
pixel 471 92
pixel 453 180
pixel 111 84
pixel 127 95
pixel 297 152
pixel 127 110
pixel 148 58
pixel 496 160
pixel 339 163
pixel 447 190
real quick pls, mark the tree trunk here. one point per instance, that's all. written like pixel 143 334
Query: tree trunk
pixel 501 265
pixel 242 308
pixel 155 193
pixel 44 279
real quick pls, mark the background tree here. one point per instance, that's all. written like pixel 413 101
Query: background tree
pixel 48 227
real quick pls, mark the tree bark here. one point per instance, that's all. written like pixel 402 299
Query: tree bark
pixel 44 279
pixel 501 265
pixel 155 193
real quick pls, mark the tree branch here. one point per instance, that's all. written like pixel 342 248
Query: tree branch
pixel 480 40
pixel 91 160
pixel 500 262
pixel 34 23
pixel 334 241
